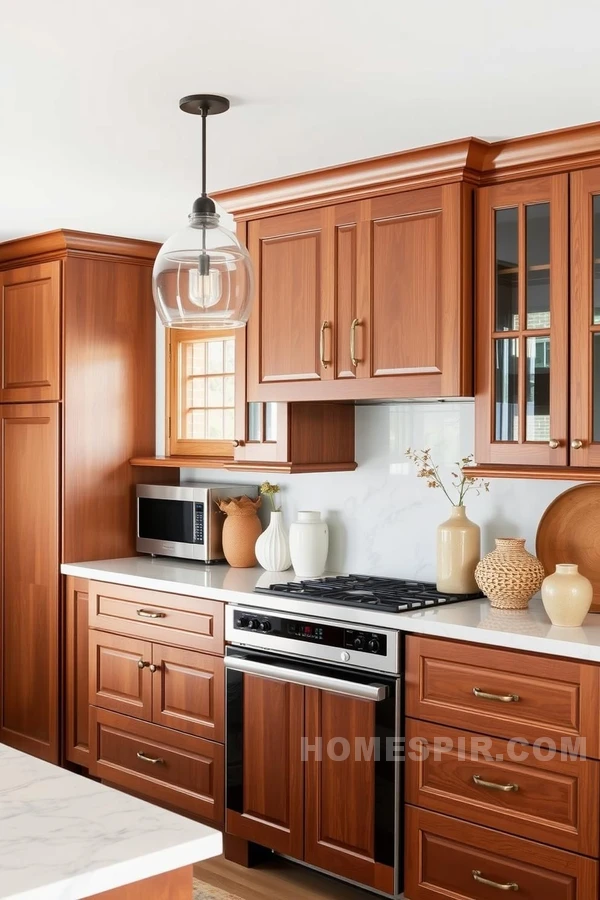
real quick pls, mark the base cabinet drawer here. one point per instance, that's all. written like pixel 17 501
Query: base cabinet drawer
pixel 171 619
pixel 504 693
pixel 512 787
pixel 453 859
pixel 178 769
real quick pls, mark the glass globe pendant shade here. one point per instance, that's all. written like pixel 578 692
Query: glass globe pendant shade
pixel 202 277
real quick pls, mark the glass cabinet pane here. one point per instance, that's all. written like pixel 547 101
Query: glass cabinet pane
pixel 507 389
pixel 270 421
pixel 537 243
pixel 596 388
pixel 596 261
pixel 537 426
pixel 507 269
pixel 254 421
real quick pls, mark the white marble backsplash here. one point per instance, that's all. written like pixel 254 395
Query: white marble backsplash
pixel 383 518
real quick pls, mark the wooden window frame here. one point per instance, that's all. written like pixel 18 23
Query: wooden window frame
pixel 181 447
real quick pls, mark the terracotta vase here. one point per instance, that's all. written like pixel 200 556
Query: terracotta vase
pixel 240 530
pixel 509 576
pixel 567 596
pixel 458 552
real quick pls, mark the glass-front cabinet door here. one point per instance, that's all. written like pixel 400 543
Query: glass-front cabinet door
pixel 585 318
pixel 522 323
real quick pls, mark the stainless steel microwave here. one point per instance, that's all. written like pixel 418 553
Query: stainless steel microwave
pixel 184 521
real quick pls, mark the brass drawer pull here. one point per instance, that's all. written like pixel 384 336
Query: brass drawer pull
pixel 154 760
pixel 142 664
pixel 508 886
pixel 503 698
pixel 353 358
pixel 324 326
pixel 148 614
pixel 478 780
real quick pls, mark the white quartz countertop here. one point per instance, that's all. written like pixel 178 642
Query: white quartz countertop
pixel 471 620
pixel 65 837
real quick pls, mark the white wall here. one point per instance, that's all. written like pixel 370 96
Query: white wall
pixel 382 518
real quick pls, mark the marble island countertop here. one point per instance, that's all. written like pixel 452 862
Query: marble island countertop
pixel 471 620
pixel 65 837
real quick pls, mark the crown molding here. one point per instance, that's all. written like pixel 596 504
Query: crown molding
pixel 61 243
pixel 472 160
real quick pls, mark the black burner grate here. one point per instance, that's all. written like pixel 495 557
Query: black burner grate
pixel 384 594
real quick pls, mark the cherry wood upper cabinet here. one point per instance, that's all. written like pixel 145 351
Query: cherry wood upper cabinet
pixel 30 299
pixel 585 318
pixel 29 540
pixel 364 300
pixel 522 323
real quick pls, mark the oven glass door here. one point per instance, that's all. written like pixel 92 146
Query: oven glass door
pixel 300 727
pixel 167 520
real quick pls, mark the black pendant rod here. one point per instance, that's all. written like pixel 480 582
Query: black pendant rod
pixel 204 115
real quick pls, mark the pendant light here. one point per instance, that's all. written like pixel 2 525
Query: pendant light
pixel 202 276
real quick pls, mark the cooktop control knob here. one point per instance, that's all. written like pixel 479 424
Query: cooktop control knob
pixel 254 624
pixel 359 642
pixel 242 622
pixel 374 645
pixel 265 626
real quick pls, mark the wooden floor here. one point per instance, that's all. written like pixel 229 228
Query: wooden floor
pixel 275 880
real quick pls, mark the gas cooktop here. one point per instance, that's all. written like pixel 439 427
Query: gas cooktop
pixel 394 595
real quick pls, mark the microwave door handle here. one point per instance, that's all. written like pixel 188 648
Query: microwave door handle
pixel 375 692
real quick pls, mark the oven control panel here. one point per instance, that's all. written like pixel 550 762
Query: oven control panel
pixel 363 640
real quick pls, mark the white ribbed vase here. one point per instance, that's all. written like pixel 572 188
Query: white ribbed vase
pixel 272 548
pixel 309 544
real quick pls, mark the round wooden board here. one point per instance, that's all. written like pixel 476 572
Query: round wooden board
pixel 569 532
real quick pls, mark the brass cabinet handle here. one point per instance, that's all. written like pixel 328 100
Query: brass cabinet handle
pixel 148 614
pixel 508 886
pixel 154 760
pixel 576 445
pixel 142 664
pixel 353 358
pixel 478 780
pixel 503 698
pixel 238 443
pixel 553 444
pixel 324 326
pixel 154 668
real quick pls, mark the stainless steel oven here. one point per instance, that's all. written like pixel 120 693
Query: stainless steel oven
pixel 314 742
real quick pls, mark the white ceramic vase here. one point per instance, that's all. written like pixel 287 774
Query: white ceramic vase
pixel 458 552
pixel 272 547
pixel 567 596
pixel 309 544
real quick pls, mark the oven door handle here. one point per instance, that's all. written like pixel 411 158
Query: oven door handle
pixel 375 692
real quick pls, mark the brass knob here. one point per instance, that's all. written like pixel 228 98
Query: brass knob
pixel 553 444
pixel 576 445
pixel 142 664
pixel 154 668
pixel 238 443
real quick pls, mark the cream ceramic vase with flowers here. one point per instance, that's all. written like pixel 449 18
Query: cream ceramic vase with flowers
pixel 458 538
pixel 272 547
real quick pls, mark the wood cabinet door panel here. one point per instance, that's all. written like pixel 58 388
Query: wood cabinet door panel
pixel 555 698
pixel 340 790
pixel 585 317
pixel 294 271
pixel 177 769
pixel 76 701
pixel 30 333
pixel 29 504
pixel 116 680
pixel 443 855
pixel 188 691
pixel 552 800
pixel 521 397
pixel 158 616
pixel 270 810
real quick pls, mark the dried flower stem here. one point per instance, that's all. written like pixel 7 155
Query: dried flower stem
pixel 462 484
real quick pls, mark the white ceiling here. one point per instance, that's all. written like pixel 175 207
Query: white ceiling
pixel 91 136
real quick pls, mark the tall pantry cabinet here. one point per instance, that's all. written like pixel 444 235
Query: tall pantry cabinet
pixel 76 403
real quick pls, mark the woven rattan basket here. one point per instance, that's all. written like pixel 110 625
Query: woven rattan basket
pixel 509 576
